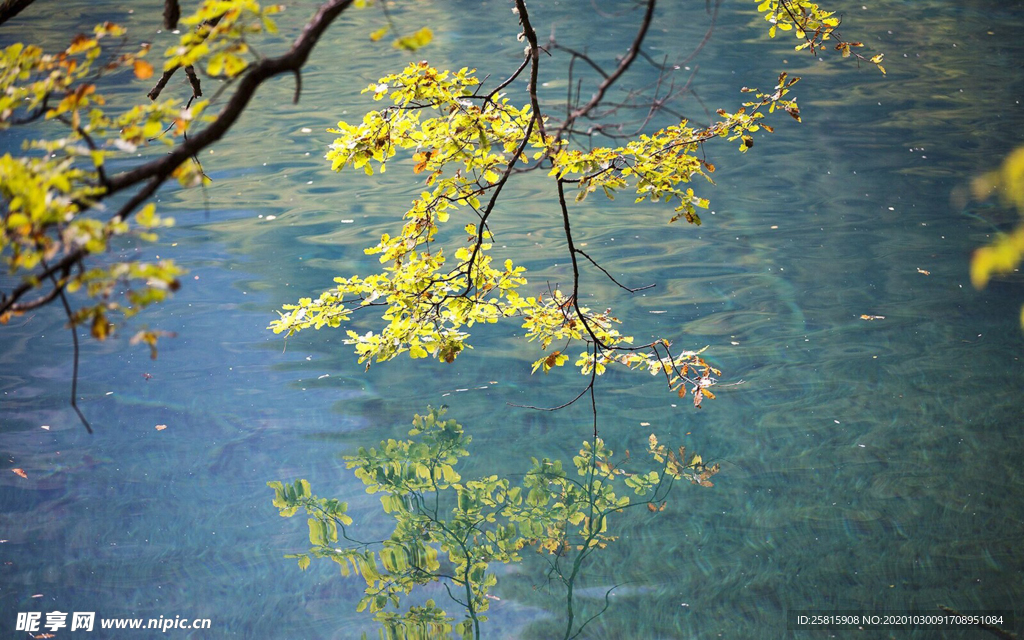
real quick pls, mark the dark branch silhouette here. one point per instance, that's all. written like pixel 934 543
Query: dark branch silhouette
pixel 171 14
pixel 11 8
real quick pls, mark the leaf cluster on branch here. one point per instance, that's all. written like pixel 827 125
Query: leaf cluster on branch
pixel 467 141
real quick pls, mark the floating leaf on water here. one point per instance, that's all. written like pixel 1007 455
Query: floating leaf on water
pixel 20 472
pixel 161 427
pixel 867 317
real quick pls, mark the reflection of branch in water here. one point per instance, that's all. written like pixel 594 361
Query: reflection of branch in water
pixel 468 526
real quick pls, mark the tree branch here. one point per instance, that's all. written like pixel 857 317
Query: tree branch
pixel 624 64
pixel 265 69
pixel 171 14
pixel 11 8
pixel 603 270
pixel 531 37
pixel 59 288
pixel 159 170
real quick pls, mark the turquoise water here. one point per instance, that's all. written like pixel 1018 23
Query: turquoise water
pixel 866 465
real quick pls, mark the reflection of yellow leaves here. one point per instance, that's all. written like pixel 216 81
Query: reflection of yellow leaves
pixel 1007 180
pixel 1002 256
pixel 101 327
pixel 1005 254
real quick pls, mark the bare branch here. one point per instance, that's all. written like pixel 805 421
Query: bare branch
pixel 171 14
pixel 531 37
pixel 605 272
pixel 11 8
pixel 577 54
pixel 59 288
pixel 561 406
pixel 624 64
pixel 193 80
pixel 154 93
pixel 510 79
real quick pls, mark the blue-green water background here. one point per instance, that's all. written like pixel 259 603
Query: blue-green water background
pixel 865 465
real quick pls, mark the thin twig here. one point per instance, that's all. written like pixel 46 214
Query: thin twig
pixel 74 340
pixel 629 289
pixel 624 65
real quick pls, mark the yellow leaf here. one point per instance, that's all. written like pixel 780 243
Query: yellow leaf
pixel 416 351
pixel 100 327
pixel 233 65
pixel 143 70
pixel 416 40
pixel 81 43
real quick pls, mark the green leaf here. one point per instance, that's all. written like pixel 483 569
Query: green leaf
pixel 316 532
